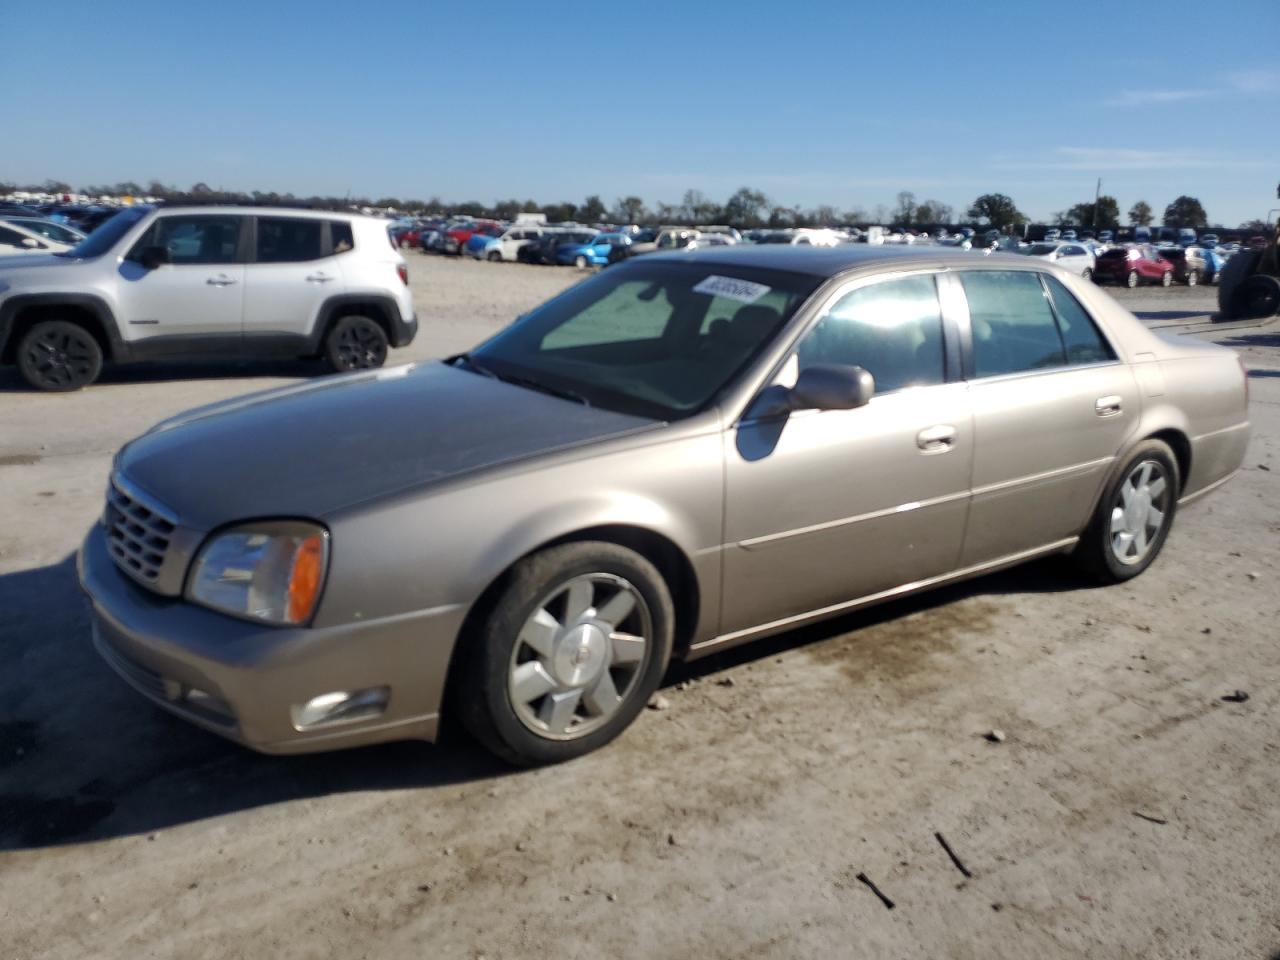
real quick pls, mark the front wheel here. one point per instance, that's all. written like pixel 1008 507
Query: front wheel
pixel 1166 279
pixel 580 262
pixel 1131 280
pixel 1134 515
pixel 356 343
pixel 59 356
pixel 568 655
pixel 1086 274
pixel 494 256
pixel 1193 278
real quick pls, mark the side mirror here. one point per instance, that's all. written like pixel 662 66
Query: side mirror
pixel 30 243
pixel 832 386
pixel 152 257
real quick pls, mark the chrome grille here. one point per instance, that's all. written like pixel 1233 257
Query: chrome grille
pixel 139 533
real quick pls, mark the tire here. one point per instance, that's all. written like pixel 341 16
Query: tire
pixel 532 707
pixel 1086 274
pixel 355 342
pixel 1131 280
pixel 1111 555
pixel 580 262
pixel 494 256
pixel 1166 279
pixel 1233 273
pixel 59 356
pixel 1256 298
pixel 1193 278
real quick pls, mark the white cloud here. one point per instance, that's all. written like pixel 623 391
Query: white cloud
pixel 1104 159
pixel 1255 81
pixel 1142 98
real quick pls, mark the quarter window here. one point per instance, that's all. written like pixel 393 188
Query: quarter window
pixel 1012 323
pixel 1083 341
pixel 340 231
pixel 892 329
pixel 288 241
pixel 194 240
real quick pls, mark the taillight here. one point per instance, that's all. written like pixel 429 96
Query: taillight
pixel 404 273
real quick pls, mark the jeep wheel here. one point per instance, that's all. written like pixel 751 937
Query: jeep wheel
pixel 356 343
pixel 59 356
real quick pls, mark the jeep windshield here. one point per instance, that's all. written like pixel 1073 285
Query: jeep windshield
pixel 107 235
pixel 657 340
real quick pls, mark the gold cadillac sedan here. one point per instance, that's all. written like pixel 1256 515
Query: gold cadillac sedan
pixel 685 452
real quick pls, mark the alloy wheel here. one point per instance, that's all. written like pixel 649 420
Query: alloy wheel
pixel 579 656
pixel 1138 513
pixel 1132 279
pixel 361 346
pixel 62 358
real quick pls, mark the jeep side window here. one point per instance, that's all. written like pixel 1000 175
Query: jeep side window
pixel 343 241
pixel 194 239
pixel 287 241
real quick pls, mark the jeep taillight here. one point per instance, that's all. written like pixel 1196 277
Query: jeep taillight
pixel 404 273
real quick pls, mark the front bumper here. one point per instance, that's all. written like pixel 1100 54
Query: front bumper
pixel 241 679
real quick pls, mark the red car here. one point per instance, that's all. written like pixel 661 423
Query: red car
pixel 455 240
pixel 1132 266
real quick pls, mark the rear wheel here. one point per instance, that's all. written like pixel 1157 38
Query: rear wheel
pixel 494 256
pixel 570 653
pixel 1193 278
pixel 1166 279
pixel 1134 515
pixel 59 356
pixel 1256 298
pixel 580 262
pixel 356 342
pixel 1132 279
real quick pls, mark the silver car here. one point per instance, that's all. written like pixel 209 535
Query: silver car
pixel 685 452
pixel 1073 257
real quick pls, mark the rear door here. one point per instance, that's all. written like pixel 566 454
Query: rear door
pixel 198 293
pixel 1052 405
pixel 292 272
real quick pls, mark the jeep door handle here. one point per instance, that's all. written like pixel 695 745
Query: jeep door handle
pixel 318 278
pixel 221 280
pixel 937 439
pixel 1107 406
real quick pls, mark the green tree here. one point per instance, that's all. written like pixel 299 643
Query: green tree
pixel 592 209
pixel 630 210
pixel 997 210
pixel 934 211
pixel 559 212
pixel 905 211
pixel 1140 214
pixel 1106 216
pixel 746 208
pixel 1185 212
pixel 1255 226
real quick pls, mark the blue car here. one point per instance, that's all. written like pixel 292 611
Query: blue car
pixel 594 253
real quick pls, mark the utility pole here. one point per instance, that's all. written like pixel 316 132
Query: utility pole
pixel 1097 195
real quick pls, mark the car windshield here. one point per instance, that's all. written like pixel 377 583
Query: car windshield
pixel 657 340
pixel 107 235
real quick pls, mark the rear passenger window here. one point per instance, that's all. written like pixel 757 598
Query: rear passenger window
pixel 1013 325
pixel 288 241
pixel 892 329
pixel 1083 341
pixel 342 237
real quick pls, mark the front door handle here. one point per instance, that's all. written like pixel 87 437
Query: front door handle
pixel 318 278
pixel 1107 406
pixel 937 439
pixel 221 280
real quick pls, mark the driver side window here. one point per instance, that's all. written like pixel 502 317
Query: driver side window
pixel 892 329
pixel 194 239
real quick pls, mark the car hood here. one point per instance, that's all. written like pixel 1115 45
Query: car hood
pixel 25 261
pixel 311 449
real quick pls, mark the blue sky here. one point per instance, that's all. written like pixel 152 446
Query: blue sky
pixel 842 102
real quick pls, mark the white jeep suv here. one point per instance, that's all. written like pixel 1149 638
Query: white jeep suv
pixel 229 281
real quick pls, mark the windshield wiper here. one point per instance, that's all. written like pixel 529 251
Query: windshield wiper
pixel 526 382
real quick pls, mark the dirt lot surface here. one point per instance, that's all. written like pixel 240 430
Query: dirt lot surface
pixel 1130 810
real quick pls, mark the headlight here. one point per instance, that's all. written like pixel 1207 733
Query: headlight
pixel 270 571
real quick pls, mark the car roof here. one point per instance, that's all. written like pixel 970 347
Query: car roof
pixel 830 261
pixel 250 211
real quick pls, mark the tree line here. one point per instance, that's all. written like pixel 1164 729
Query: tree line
pixel 745 208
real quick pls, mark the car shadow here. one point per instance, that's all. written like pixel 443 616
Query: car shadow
pixel 163 372
pixel 1252 340
pixel 83 757
pixel 1149 315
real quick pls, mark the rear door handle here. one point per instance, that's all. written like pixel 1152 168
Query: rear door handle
pixel 221 280
pixel 937 439
pixel 318 278
pixel 1107 406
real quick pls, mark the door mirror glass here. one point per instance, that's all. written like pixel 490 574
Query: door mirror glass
pixel 153 257
pixel 832 386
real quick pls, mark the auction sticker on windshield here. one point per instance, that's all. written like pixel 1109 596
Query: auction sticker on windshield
pixel 744 291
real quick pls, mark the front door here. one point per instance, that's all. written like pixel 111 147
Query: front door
pixel 827 507
pixel 199 293
pixel 1051 406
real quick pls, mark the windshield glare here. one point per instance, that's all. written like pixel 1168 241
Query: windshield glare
pixel 639 339
pixel 107 235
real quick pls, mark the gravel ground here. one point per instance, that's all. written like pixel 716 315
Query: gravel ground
pixel 1129 811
